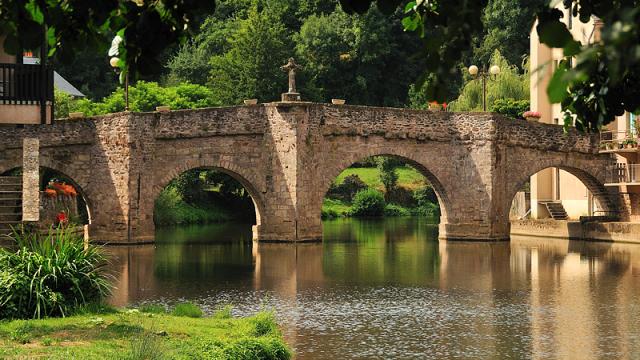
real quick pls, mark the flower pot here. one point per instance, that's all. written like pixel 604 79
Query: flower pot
pixel 163 108
pixel 533 118
pixel 338 101
pixel 251 102
pixel 76 115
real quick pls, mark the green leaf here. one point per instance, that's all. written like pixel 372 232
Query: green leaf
pixel 557 89
pixel 554 34
pixel 409 7
pixel 35 12
pixel 410 23
pixel 572 48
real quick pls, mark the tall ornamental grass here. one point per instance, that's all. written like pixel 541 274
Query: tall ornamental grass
pixel 51 274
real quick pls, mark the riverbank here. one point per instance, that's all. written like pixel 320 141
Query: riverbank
pixel 135 334
pixel 171 209
pixel 411 194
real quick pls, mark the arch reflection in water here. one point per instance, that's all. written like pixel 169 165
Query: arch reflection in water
pixel 392 284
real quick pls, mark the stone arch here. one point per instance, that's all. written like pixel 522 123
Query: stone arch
pixel 80 187
pixel 591 173
pixel 334 169
pixel 245 178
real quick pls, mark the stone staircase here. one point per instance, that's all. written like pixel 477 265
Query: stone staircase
pixel 556 210
pixel 10 203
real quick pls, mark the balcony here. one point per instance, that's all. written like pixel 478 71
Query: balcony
pixel 625 175
pixel 619 142
pixel 26 94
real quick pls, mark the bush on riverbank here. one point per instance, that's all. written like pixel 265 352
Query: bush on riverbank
pixel 132 334
pixel 50 275
pixel 171 209
pixel 368 202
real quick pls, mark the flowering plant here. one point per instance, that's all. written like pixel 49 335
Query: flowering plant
pixel 61 189
pixel 62 218
pixel 50 193
pixel 530 113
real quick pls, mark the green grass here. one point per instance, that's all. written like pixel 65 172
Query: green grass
pixel 408 177
pixel 335 206
pixel 131 334
pixel 187 309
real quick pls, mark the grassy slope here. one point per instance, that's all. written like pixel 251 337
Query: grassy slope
pixel 408 178
pixel 123 334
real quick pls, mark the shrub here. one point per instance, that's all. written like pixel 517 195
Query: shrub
pixel 347 189
pixel 425 196
pixel 50 275
pixel 429 210
pixel 187 309
pixel 328 214
pixel 510 107
pixel 260 348
pixel 368 202
pixel 395 210
pixel 387 168
pixel 400 196
pixel 223 313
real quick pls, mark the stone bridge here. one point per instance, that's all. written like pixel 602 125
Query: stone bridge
pixel 287 154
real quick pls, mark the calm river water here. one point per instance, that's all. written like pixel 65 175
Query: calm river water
pixel 388 289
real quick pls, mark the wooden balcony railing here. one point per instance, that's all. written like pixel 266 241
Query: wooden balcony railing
pixel 25 83
pixel 624 174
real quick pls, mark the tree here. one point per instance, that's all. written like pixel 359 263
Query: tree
pixel 251 67
pixel 90 72
pixel 506 29
pixel 364 59
pixel 147 27
pixel 144 96
pixel 601 85
pixel 509 84
pixel 387 169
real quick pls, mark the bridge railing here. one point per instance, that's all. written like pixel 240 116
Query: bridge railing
pixel 25 84
pixel 624 174
pixel 618 140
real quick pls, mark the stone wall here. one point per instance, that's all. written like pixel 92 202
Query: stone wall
pixel 287 154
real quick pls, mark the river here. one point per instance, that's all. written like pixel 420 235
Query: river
pixel 381 289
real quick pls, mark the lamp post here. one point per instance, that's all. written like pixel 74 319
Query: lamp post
pixel 114 64
pixel 484 75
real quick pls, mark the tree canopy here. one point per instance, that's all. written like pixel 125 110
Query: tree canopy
pixel 601 85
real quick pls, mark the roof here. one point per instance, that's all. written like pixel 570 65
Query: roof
pixel 58 81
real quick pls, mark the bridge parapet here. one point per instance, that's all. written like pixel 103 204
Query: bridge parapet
pixel 287 155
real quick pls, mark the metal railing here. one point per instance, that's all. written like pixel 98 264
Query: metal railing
pixel 618 140
pixel 624 173
pixel 25 84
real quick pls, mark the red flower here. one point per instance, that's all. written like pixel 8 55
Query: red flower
pixel 62 218
pixel 50 193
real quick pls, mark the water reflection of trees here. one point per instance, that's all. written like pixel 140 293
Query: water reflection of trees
pixel 402 251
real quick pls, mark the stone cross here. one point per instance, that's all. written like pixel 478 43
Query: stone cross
pixel 291 68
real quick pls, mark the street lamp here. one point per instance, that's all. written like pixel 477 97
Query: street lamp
pixel 114 62
pixel 484 75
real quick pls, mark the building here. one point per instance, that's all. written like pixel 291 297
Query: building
pixel 553 189
pixel 26 89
